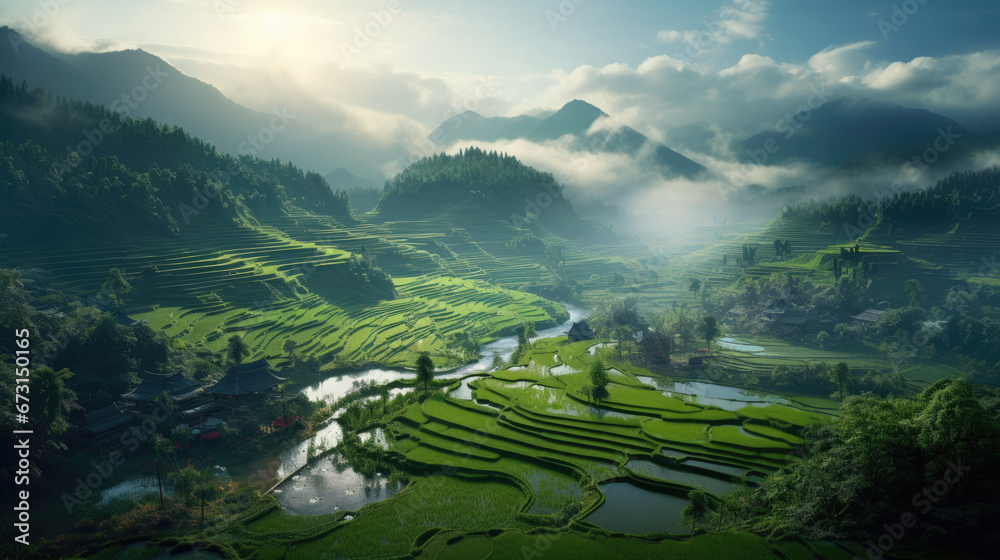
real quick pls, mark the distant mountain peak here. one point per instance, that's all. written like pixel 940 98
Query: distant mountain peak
pixel 341 178
pixel 579 104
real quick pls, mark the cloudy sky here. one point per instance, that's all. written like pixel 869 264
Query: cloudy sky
pixel 391 71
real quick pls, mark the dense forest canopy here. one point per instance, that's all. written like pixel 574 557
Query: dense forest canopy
pixel 90 171
pixel 496 181
pixel 968 196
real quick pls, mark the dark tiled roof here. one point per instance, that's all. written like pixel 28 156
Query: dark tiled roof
pixel 154 384
pixel 869 315
pixel 106 419
pixel 580 331
pixel 246 379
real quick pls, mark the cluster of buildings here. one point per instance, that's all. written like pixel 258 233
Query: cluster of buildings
pixel 783 313
pixel 239 395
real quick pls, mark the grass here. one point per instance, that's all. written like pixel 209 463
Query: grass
pixel 513 544
pixel 388 529
pixel 783 413
pixel 730 435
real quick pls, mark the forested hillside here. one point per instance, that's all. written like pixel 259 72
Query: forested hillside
pixel 70 169
pixel 497 182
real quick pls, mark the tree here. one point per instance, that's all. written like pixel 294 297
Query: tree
pixel 915 291
pixel 116 289
pixel 709 330
pixel 595 279
pixel 498 362
pixel 383 395
pixel 751 291
pixel 50 387
pixel 657 345
pixel 842 377
pixel 599 380
pixel 554 255
pixel 237 350
pixel 161 447
pixel 181 437
pixel 822 338
pixel 166 404
pixel 185 481
pixel 697 511
pixel 425 369
pixel 289 347
pixel 615 313
pixel 623 335
pixel 695 286
pixel 525 332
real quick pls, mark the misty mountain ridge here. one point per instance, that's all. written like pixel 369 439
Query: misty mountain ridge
pixel 858 132
pixel 342 179
pixel 138 84
pixel 575 118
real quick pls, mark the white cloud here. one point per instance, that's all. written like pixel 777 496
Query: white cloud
pixel 740 19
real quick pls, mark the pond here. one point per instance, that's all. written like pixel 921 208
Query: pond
pixel 329 485
pixel 464 391
pixel 722 396
pixel 630 509
pixel 561 369
pixel 139 487
pixel 593 349
pixel 269 469
pixel 740 346
pixel 339 385
pixel 376 436
pixel 725 469
pixel 709 484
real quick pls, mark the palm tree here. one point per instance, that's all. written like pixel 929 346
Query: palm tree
pixel 710 330
pixel 237 350
pixel 425 369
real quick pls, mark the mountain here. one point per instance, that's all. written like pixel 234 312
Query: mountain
pixel 470 125
pixel 474 181
pixel 575 118
pixel 138 84
pixel 75 172
pixel 342 179
pixel 856 131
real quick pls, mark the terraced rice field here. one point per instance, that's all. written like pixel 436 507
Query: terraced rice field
pixel 513 449
pixel 289 280
pixel 544 422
